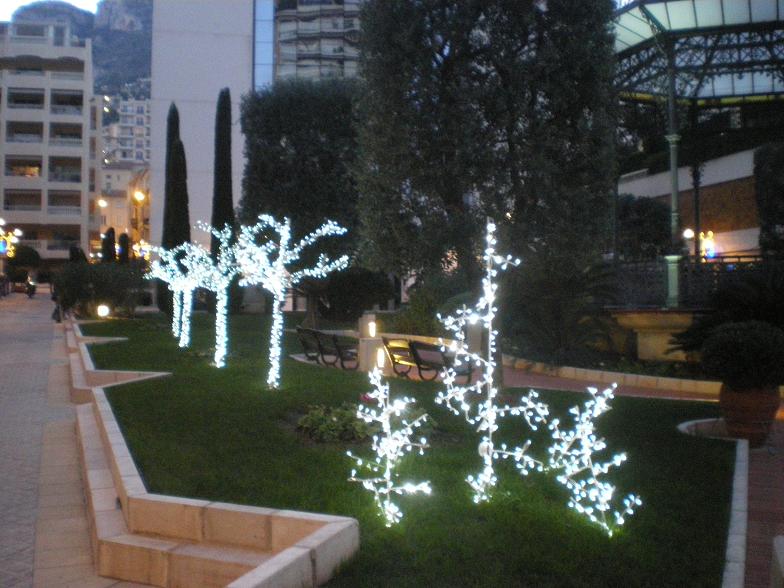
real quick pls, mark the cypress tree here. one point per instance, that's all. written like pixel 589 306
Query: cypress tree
pixel 172 136
pixel 179 221
pixel 108 251
pixel 125 244
pixel 222 200
pixel 163 295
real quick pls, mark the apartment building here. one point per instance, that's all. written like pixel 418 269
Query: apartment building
pixel 202 46
pixel 49 136
pixel 128 140
pixel 316 39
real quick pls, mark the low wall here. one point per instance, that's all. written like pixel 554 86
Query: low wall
pixel 172 541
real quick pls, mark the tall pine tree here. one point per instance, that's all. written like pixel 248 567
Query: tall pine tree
pixel 175 199
pixel 222 196
pixel 108 251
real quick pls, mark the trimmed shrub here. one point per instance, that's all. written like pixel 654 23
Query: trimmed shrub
pixel 745 355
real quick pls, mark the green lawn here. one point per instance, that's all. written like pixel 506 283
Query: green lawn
pixel 220 435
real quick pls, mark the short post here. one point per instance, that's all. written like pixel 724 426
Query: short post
pixel 371 349
pixel 673 294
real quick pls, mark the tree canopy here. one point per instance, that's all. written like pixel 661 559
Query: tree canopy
pixel 484 107
pixel 300 147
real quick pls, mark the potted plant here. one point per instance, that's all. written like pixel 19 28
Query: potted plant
pixel 748 358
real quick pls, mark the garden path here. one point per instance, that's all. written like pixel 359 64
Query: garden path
pixel 44 538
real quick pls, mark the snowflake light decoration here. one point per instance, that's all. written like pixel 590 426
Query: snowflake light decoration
pixel 216 276
pixel 487 413
pixel 168 269
pixel 390 447
pixel 267 264
pixel 573 451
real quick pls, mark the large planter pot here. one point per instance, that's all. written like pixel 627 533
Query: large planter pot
pixel 749 413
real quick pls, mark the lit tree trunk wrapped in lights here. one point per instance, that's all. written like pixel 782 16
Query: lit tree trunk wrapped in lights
pixel 167 269
pixel 268 264
pixel 390 447
pixel 487 413
pixel 215 276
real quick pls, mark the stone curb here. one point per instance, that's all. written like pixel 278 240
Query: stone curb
pixel 705 387
pixel 172 541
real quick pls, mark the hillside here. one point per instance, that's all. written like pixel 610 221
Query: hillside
pixel 121 32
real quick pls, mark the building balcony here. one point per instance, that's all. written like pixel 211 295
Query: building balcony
pixel 50 249
pixel 64 210
pixel 24 138
pixel 73 177
pixel 65 109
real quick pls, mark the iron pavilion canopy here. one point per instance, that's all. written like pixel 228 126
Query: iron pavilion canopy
pixel 712 51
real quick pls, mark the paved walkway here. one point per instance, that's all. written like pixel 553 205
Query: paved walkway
pixel 44 540
pixel 26 339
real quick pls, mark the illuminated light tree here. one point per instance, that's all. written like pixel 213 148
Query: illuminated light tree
pixel 487 412
pixel 168 269
pixel 267 264
pixel 573 453
pixel 391 445
pixel 215 276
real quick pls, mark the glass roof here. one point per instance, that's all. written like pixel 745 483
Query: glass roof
pixel 718 48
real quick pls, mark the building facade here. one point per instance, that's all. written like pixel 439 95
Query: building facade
pixel 128 140
pixel 728 208
pixel 49 136
pixel 202 46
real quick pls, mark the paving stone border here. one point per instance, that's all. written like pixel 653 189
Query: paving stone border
pixel 735 556
pixel 172 541
pixel 705 387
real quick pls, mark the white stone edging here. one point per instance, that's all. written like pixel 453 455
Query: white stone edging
pixel 735 564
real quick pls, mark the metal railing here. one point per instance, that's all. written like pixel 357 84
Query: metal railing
pixel 60 245
pixel 67 75
pixel 32 106
pixel 65 177
pixel 22 207
pixel 644 284
pixel 65 109
pixel 64 210
pixel 77 141
pixel 25 138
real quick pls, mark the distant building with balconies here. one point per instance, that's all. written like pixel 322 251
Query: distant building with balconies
pixel 316 38
pixel 128 139
pixel 49 136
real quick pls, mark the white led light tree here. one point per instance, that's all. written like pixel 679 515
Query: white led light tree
pixel 168 269
pixel 215 276
pixel 487 412
pixel 390 445
pixel 573 452
pixel 268 264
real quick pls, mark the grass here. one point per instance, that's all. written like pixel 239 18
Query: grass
pixel 220 435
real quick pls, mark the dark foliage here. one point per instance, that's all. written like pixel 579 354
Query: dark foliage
pixel 643 228
pixel 769 183
pixel 24 257
pixel 482 108
pixel 124 244
pixel 301 144
pixel 222 202
pixel 758 298
pixel 745 355
pixel 351 292
pixel 82 286
pixel 76 253
pixel 108 247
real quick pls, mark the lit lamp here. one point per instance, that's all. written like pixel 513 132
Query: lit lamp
pixel 139 196
pixel 380 358
pixel 102 310
pixel 707 245
pixel 372 330
pixel 102 203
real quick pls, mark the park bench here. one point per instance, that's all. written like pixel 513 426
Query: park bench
pixel 327 348
pixel 428 359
